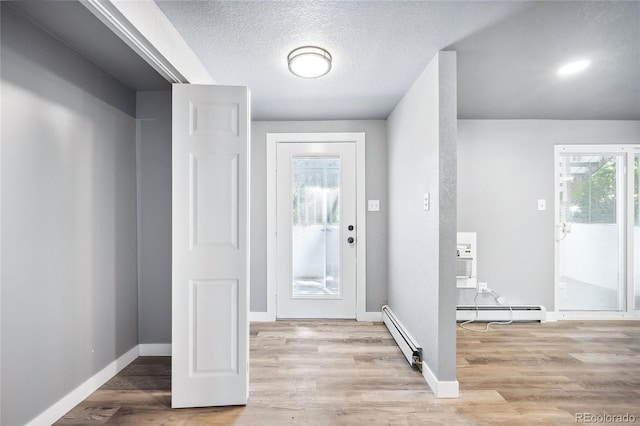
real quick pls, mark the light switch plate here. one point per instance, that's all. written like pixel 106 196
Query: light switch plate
pixel 374 205
pixel 542 205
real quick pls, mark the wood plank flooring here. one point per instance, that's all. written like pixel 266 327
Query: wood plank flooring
pixel 351 373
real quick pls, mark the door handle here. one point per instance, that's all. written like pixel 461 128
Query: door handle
pixel 564 228
pixel 351 240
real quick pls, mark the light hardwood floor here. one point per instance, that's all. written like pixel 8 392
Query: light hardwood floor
pixel 351 373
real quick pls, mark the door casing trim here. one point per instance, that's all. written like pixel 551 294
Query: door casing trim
pixel 361 214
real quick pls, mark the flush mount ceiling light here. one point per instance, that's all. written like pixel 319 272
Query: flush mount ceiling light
pixel 573 67
pixel 309 62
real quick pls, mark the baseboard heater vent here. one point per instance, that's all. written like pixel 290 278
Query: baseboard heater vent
pixel 501 313
pixel 407 344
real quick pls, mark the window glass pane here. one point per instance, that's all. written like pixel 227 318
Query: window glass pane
pixel 591 240
pixel 316 227
pixel 592 196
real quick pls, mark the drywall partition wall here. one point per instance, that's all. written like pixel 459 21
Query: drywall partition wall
pixel 504 167
pixel 422 159
pixel 69 291
pixel 153 113
pixel 376 183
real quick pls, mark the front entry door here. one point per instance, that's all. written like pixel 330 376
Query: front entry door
pixel 316 230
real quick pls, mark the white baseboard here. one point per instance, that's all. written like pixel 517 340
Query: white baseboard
pixel 155 349
pixel 370 316
pixel 261 317
pixel 269 317
pixel 440 388
pixel 592 316
pixel 73 398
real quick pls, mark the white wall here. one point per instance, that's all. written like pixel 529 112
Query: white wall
pixel 69 274
pixel 504 167
pixel 422 159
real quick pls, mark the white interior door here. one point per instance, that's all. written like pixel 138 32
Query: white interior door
pixel 210 328
pixel 316 230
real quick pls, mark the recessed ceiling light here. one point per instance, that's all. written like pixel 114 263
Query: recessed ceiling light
pixel 309 62
pixel 573 67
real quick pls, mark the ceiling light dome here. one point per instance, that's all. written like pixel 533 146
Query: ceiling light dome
pixel 309 62
pixel 574 67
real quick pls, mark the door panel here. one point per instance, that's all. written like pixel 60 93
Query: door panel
pixel 591 232
pixel 316 218
pixel 210 328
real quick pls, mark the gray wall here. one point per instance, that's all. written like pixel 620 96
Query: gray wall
pixel 376 181
pixel 504 167
pixel 154 145
pixel 154 223
pixel 69 292
pixel 422 158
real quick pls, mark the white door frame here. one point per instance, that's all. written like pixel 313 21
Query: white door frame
pixel 629 311
pixel 361 215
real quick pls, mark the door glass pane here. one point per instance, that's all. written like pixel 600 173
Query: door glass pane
pixel 636 230
pixel 316 227
pixel 591 242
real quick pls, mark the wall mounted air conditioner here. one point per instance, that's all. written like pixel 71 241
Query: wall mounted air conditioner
pixel 466 260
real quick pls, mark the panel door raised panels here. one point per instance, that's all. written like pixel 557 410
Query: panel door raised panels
pixel 211 118
pixel 214 327
pixel 214 209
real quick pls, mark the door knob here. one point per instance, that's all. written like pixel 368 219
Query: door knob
pixel 350 240
pixel 350 227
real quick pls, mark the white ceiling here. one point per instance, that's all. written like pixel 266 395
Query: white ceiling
pixel 508 53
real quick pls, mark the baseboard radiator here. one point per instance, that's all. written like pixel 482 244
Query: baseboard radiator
pixel 501 313
pixel 407 344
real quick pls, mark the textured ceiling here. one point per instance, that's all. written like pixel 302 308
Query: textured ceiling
pixel 508 53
